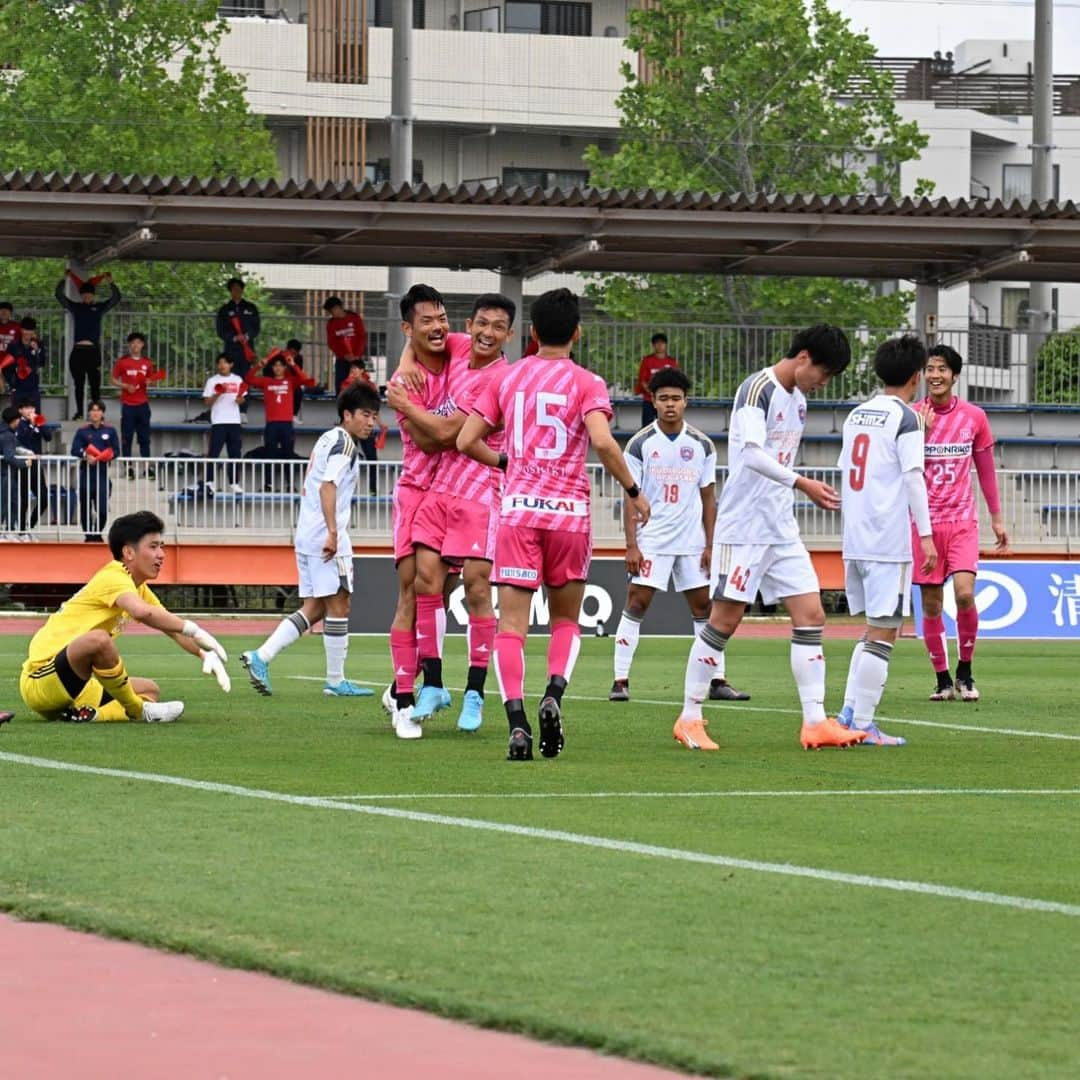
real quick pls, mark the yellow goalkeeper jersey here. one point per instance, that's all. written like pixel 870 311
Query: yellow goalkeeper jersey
pixel 93 607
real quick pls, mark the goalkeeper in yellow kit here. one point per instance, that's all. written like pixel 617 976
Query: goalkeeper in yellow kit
pixel 74 672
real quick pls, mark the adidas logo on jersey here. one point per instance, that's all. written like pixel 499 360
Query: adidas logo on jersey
pixel 655 454
pixel 779 416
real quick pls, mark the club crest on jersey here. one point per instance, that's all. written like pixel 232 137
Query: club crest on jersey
pixel 686 453
pixel 544 504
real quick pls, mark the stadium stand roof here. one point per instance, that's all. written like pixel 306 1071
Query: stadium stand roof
pixel 528 230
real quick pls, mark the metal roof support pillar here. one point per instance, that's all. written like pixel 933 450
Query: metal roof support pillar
pixel 511 286
pixel 401 167
pixel 926 312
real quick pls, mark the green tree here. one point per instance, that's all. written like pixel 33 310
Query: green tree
pixel 124 86
pixel 753 96
pixel 1057 370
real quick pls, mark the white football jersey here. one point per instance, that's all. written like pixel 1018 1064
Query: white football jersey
pixel 671 471
pixel 882 440
pixel 753 509
pixel 336 458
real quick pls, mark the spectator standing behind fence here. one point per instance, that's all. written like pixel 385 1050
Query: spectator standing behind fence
pixel 133 372
pixel 296 347
pixel 223 395
pixel 22 363
pixel 278 389
pixel 656 361
pixel 377 439
pixel 238 325
pixel 95 445
pixel 84 362
pixel 15 465
pixel 31 435
pixel 346 337
pixel 9 328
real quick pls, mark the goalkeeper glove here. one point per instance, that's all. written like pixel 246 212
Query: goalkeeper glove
pixel 212 665
pixel 204 640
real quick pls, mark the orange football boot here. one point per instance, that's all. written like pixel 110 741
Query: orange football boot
pixel 829 733
pixel 691 733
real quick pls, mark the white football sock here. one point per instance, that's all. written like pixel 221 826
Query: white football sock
pixel 706 658
pixel 853 667
pixel 336 644
pixel 870 681
pixel 287 631
pixel 626 642
pixel 808 668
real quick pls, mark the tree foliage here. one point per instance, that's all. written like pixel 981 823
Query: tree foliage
pixel 1057 370
pixel 129 87
pixel 753 96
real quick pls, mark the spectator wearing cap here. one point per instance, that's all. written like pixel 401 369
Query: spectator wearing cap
pixel 133 372
pixel 95 445
pixel 84 361
pixel 346 337
pixel 21 365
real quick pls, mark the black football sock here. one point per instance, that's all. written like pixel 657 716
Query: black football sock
pixel 555 688
pixel 476 680
pixel 515 715
pixel 432 668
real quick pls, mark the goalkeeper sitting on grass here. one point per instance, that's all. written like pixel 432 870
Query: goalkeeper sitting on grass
pixel 74 672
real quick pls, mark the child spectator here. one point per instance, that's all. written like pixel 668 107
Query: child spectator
pixel 85 359
pixel 95 445
pixel 223 394
pixel 132 373
pixel 278 390
pixel 31 434
pixel 9 328
pixel 346 337
pixel 23 362
pixel 14 478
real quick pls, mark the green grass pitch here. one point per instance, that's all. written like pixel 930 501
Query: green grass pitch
pixel 709 964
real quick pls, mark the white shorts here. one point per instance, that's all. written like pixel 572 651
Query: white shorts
pixel 657 570
pixel 319 578
pixel 881 589
pixel 777 571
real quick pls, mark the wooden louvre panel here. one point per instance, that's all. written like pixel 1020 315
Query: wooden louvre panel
pixel 336 148
pixel 646 69
pixel 337 41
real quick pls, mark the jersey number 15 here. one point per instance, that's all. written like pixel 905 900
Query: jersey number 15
pixel 543 419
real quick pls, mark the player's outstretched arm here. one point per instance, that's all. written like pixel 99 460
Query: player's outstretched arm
pixel 470 441
pixel 611 457
pixel 162 619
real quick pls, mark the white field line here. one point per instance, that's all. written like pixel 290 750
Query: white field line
pixel 741 708
pixel 1022 903
pixel 838 793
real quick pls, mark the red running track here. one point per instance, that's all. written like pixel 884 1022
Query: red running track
pixel 76 1006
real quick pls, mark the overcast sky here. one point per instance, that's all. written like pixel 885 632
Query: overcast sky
pixel 918 27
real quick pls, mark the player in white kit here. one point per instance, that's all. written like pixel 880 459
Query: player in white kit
pixel 757 545
pixel 882 479
pixel 324 557
pixel 674 464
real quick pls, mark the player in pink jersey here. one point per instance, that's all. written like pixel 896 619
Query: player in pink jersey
pixel 551 410
pixel 456 521
pixel 958 434
pixel 427 329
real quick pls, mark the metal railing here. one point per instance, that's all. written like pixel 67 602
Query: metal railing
pixel 223 501
pixel 717 357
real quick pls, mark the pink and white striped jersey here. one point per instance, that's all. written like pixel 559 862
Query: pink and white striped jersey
pixel 542 405
pixel 417 466
pixel 458 474
pixel 958 431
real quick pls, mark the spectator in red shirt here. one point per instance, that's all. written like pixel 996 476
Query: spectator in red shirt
pixel 9 328
pixel 132 373
pixel 278 389
pixel 346 337
pixel 656 361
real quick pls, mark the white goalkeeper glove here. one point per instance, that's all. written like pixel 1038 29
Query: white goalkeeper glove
pixel 212 665
pixel 204 640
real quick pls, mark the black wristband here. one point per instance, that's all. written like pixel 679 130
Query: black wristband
pixel 503 462
pixel 633 491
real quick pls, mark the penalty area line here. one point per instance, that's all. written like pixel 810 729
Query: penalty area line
pixel 601 843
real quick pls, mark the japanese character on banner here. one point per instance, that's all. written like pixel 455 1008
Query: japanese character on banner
pixel 1067 609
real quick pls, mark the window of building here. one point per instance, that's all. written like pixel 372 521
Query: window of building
pixel 486 20
pixel 1015 304
pixel 381 13
pixel 549 17
pixel 1016 182
pixel 545 178
pixel 239 9
pixel 378 172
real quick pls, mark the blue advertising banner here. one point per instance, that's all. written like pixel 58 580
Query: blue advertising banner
pixel 1020 598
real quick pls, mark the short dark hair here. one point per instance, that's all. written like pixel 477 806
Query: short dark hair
pixel 356 398
pixel 87 287
pixel 7 304
pixel 555 316
pixel 495 300
pixel 28 323
pixel 136 335
pixel 10 413
pixel 332 302
pixel 949 355
pixel 224 356
pixel 898 359
pixel 658 337
pixel 670 378
pixel 235 281
pixel 295 344
pixel 419 294
pixel 131 528
pixel 96 404
pixel 22 402
pixel 827 345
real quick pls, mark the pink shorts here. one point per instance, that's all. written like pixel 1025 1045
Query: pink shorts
pixel 529 558
pixel 957 544
pixel 457 528
pixel 406 503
